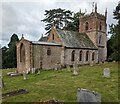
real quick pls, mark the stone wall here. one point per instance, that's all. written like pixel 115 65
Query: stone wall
pixel 27 64
pixel 68 53
pixel 41 59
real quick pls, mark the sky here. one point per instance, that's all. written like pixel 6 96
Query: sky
pixel 24 16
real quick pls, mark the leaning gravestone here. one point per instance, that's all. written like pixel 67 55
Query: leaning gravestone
pixel 87 96
pixel 106 72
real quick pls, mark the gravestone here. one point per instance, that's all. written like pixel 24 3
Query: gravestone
pixel 68 68
pixel 113 61
pixel 91 63
pixel 24 75
pixel 105 62
pixel 87 96
pixel 33 70
pixel 28 71
pixel 58 66
pixel 2 85
pixel 106 72
pixel 38 72
pixel 75 69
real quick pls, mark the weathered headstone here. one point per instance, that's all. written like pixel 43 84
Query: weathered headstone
pixel 91 63
pixel 75 69
pixel 2 85
pixel 105 62
pixel 87 96
pixel 38 72
pixel 75 72
pixel 68 68
pixel 28 71
pixel 106 72
pixel 24 75
pixel 33 70
pixel 114 61
pixel 58 66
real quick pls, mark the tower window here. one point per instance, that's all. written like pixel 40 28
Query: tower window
pixel 100 26
pixel 73 56
pixel 80 56
pixel 87 55
pixel 86 26
pixel 48 51
pixel 93 56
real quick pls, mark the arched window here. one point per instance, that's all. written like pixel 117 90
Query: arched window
pixel 100 26
pixel 22 53
pixel 100 39
pixel 73 55
pixel 48 51
pixel 87 55
pixel 86 26
pixel 93 56
pixel 80 56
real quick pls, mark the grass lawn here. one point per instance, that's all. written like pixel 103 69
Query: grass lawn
pixel 62 85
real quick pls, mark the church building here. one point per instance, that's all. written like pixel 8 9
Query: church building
pixel 62 47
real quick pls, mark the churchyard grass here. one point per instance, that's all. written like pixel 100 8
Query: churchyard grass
pixel 62 85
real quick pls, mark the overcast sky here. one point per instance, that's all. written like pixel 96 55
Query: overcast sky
pixel 24 17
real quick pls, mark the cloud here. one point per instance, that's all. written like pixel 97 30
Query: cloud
pixel 24 17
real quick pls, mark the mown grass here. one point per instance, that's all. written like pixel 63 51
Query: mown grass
pixel 62 85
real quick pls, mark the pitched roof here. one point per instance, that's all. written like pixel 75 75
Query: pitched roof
pixel 43 39
pixel 75 39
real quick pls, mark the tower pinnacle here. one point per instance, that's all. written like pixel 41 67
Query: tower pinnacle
pixel 95 7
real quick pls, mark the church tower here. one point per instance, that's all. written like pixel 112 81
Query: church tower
pixel 94 25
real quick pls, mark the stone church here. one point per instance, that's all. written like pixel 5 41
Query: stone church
pixel 62 47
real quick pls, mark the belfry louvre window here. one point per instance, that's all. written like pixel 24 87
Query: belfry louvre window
pixel 86 26
pixel 73 55
pixel 87 55
pixel 22 53
pixel 93 56
pixel 80 56
pixel 48 51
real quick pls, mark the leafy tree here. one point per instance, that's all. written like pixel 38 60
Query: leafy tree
pixel 9 54
pixel 74 25
pixel 62 18
pixel 4 51
pixel 113 42
pixel 58 17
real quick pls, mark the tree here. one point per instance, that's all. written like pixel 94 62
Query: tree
pixel 62 18
pixel 9 54
pixel 74 25
pixel 4 51
pixel 58 17
pixel 113 42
